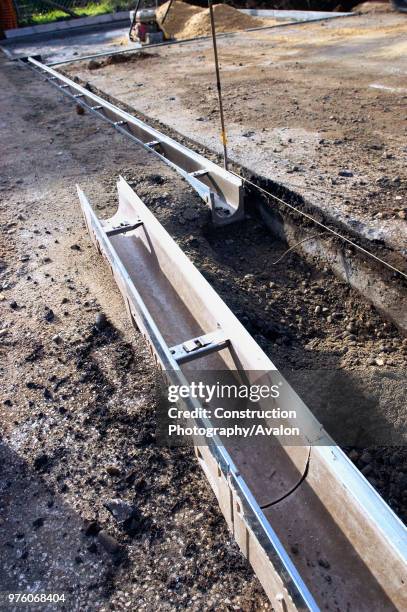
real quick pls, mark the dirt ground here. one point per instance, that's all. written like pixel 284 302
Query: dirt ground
pixel 78 402
pixel 318 107
pixel 77 407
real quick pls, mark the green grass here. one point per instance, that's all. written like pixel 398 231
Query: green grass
pixel 92 9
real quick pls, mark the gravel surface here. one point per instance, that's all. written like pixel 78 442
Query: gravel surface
pixel 91 507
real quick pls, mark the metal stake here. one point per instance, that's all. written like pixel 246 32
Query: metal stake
pixel 218 85
pixel 166 12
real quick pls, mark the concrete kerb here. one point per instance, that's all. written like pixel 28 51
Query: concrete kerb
pixel 63 27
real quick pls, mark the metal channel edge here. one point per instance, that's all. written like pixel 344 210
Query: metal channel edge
pixel 254 516
pixel 369 502
pixel 222 191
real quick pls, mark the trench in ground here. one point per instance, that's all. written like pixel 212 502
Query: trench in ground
pixel 307 321
pixel 315 536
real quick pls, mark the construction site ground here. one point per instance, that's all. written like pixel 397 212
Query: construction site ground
pixel 318 107
pixel 78 404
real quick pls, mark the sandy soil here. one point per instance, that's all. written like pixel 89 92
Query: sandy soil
pixel 318 107
pixel 373 7
pixel 187 21
pixel 78 404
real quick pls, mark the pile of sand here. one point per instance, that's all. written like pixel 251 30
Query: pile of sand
pixel 179 14
pixel 187 21
pixel 373 7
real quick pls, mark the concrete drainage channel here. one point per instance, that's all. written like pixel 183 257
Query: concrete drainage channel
pixel 140 254
pixel 183 312
pixel 222 191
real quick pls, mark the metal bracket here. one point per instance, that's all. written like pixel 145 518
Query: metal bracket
pixel 199 347
pixel 198 173
pixel 123 228
pixel 152 143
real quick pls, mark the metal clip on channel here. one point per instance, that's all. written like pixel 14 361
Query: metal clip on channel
pixel 220 189
pixel 199 347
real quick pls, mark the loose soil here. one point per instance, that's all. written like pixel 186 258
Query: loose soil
pixel 188 21
pixel 78 400
pixel 119 59
pixel 373 7
pixel 317 107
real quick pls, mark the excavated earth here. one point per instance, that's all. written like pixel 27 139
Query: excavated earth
pixel 78 401
pixel 317 107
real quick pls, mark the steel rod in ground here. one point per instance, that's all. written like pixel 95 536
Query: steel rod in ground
pixel 218 85
pixel 167 11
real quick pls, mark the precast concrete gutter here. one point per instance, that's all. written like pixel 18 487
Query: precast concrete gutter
pixel 318 499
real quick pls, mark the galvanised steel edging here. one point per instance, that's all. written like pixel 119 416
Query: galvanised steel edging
pixel 332 500
pixel 222 190
pixel 292 584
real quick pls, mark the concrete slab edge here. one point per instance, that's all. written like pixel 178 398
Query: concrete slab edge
pixel 68 24
pixel 294 15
